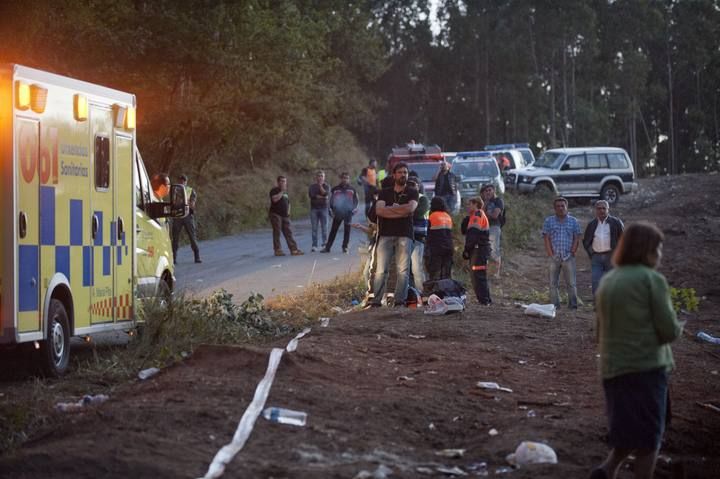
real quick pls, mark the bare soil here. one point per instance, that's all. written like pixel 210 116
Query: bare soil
pixel 392 387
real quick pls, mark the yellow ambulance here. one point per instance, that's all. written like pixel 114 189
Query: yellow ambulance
pixel 84 237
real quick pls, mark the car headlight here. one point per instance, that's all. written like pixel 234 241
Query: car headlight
pixel 525 179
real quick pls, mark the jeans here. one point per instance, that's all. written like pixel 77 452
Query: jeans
pixel 387 246
pixel 319 216
pixel 495 248
pixel 600 265
pixel 417 264
pixel 568 269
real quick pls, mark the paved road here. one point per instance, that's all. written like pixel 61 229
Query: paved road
pixel 245 263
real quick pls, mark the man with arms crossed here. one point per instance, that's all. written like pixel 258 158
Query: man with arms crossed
pixel 394 208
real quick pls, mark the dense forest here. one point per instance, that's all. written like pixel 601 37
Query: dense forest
pixel 258 87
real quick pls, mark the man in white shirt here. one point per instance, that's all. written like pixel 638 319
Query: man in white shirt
pixel 600 239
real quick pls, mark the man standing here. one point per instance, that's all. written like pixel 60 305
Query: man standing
pixel 280 218
pixel 319 193
pixel 394 208
pixel 562 238
pixel 446 186
pixel 477 248
pixel 187 223
pixel 369 177
pixel 343 205
pixel 600 239
pixel 494 207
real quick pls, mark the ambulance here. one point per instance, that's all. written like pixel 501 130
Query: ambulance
pixel 84 238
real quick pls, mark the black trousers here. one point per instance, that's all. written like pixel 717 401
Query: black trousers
pixel 440 266
pixel 188 224
pixel 478 274
pixel 337 220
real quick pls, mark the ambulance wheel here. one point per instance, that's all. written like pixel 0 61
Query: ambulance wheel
pixel 164 293
pixel 55 350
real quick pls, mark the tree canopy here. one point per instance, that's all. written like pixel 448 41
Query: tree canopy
pixel 243 84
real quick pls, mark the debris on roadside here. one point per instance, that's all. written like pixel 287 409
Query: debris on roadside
pixel 529 452
pixel 454 453
pixel 148 373
pixel 87 400
pixel 493 386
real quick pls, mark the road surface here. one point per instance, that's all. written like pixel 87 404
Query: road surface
pixel 245 264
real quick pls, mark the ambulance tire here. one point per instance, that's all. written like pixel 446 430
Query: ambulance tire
pixel 54 352
pixel 164 293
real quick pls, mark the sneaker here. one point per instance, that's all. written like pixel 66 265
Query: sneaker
pixel 279 253
pixel 297 252
pixel 314 249
pixel 370 306
pixel 345 250
pixel 324 250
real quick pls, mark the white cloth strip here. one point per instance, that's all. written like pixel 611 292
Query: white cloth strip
pixel 247 422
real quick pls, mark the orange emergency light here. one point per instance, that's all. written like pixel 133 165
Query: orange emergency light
pixel 80 107
pixel 22 95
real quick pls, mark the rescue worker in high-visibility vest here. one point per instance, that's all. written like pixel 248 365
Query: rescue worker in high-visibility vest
pixel 477 249
pixel 440 240
pixel 187 223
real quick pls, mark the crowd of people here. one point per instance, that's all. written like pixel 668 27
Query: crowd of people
pixel 411 241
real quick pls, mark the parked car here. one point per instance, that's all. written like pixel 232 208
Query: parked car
pixel 604 172
pixel 426 171
pixel 475 169
pixel 523 148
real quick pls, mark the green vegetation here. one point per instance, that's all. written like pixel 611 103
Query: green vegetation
pixel 234 93
pixel 684 299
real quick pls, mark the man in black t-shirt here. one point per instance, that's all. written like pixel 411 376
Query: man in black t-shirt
pixel 394 208
pixel 280 218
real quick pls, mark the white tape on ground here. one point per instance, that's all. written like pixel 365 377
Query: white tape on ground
pixel 247 422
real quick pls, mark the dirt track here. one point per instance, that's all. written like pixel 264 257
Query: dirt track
pixel 392 387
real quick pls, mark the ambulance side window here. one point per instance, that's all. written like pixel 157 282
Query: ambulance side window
pixel 102 162
pixel 142 188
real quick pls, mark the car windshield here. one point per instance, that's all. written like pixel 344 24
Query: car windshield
pixel 473 169
pixel 425 171
pixel 549 159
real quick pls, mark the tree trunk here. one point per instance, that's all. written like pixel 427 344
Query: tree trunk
pixel 671 125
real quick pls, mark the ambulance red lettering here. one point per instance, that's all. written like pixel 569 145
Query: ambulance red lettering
pixel 28 152
pixel 49 157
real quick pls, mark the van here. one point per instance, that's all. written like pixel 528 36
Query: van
pixel 83 236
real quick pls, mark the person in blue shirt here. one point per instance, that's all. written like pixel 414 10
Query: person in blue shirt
pixel 561 232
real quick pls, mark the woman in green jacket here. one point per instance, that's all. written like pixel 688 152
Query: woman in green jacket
pixel 636 323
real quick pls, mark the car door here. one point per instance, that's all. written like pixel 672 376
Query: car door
pixel 571 177
pixel 597 169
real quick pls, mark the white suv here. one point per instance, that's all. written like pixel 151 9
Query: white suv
pixel 603 172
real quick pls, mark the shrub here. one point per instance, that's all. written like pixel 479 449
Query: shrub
pixel 684 299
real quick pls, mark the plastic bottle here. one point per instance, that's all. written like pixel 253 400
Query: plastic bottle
pixel 97 399
pixel 285 416
pixel 706 337
pixel 148 373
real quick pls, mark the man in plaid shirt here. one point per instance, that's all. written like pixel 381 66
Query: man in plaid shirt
pixel 562 238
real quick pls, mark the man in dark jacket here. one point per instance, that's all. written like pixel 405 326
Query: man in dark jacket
pixel 446 185
pixel 600 239
pixel 343 205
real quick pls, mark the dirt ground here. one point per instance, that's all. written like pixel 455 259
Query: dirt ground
pixel 386 390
